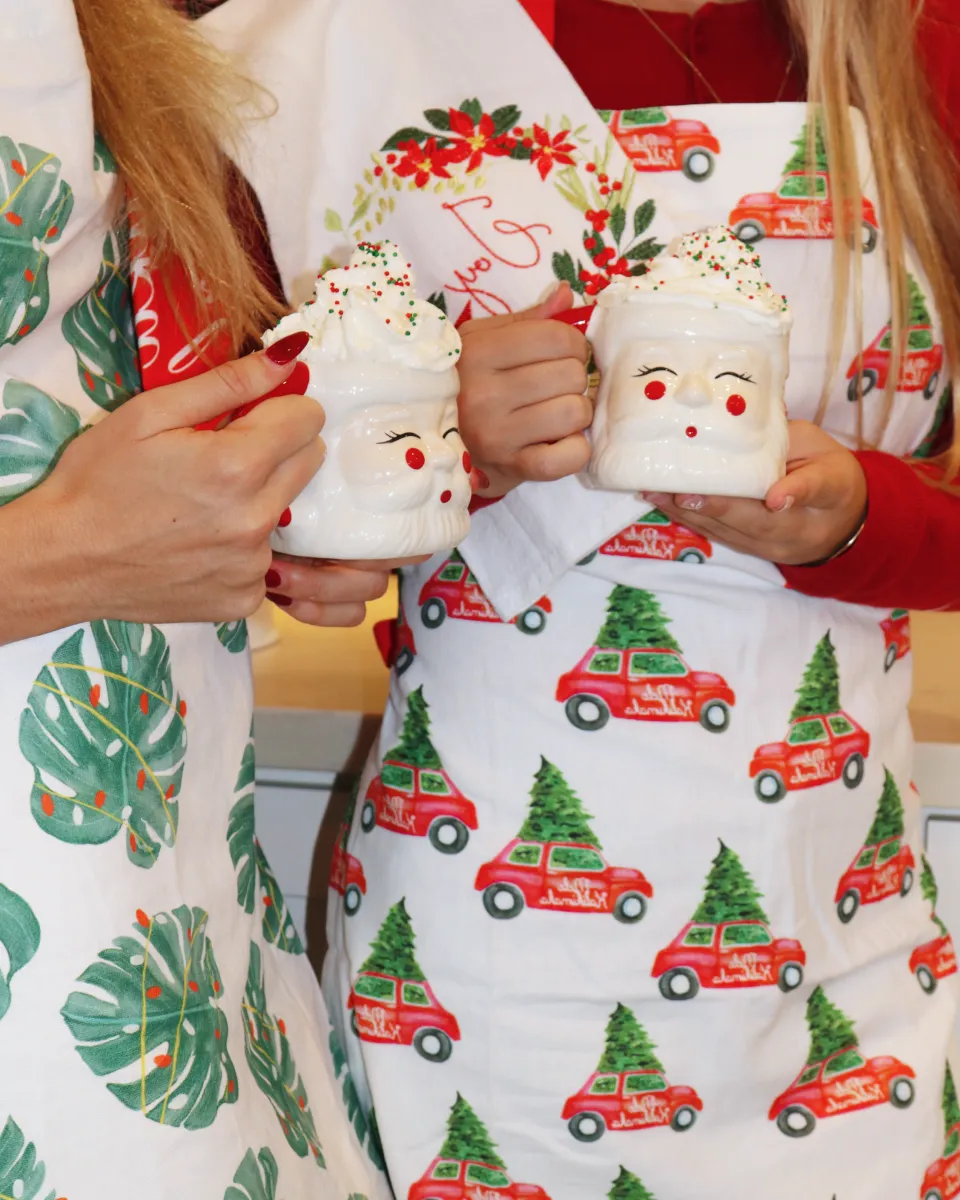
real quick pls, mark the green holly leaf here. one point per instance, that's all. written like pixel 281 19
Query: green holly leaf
pixel 505 118
pixel 103 159
pixel 20 938
pixel 100 329
pixel 107 741
pixel 250 863
pixel 273 1067
pixel 409 133
pixel 150 1007
pixel 618 222
pixel 233 635
pixel 643 251
pixel 563 267
pixel 473 109
pixel 35 205
pixel 439 118
pixel 21 1175
pixel 256 1177
pixel 643 217
pixel 34 431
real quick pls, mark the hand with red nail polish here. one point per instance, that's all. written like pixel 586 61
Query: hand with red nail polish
pixel 329 593
pixel 522 405
pixel 145 518
pixel 806 518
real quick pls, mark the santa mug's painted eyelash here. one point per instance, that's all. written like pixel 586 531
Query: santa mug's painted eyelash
pixel 736 375
pixel 397 437
pixel 651 370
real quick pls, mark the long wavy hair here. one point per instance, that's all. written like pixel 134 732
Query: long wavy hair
pixel 863 53
pixel 167 104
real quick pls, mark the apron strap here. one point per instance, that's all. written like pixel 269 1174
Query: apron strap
pixel 544 14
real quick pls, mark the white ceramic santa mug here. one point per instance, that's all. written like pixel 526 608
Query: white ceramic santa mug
pixel 396 478
pixel 693 360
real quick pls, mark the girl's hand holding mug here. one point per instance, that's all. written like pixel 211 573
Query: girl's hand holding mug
pixel 805 518
pixel 147 519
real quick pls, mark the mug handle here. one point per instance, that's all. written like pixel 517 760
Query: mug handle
pixel 579 318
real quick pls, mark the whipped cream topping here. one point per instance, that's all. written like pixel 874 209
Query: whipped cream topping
pixel 713 264
pixel 368 312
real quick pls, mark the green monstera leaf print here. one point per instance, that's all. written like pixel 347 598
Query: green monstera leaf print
pixel 21 1175
pixel 233 635
pixel 19 937
pixel 256 1178
pixel 35 205
pixel 150 1014
pixel 107 742
pixel 273 1067
pixel 100 329
pixel 250 862
pixel 35 430
pixel 103 159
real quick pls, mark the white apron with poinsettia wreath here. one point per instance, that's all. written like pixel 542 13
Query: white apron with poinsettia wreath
pixel 161 1032
pixel 631 902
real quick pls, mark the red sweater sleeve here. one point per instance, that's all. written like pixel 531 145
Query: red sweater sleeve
pixel 906 556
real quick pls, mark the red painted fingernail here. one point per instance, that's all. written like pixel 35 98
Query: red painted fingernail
pixel 273 579
pixel 285 518
pixel 280 601
pixel 287 349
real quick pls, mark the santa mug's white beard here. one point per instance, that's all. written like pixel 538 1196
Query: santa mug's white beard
pixel 669 465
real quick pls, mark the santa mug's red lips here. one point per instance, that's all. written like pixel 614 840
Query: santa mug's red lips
pixel 446 497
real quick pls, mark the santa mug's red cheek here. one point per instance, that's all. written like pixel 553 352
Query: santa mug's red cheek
pixel 416 459
pixel 467 463
pixel 656 389
pixel 736 406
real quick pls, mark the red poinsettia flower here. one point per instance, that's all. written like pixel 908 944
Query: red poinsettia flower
pixel 475 139
pixel 423 162
pixel 546 151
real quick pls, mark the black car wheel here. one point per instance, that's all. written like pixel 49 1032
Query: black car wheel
pixel 433 613
pixel 715 716
pixel 866 380
pixel 847 905
pixel 796 1121
pixel 698 164
pixel 368 816
pixel 853 771
pixel 587 1127
pixel 630 908
pixel 448 835
pixel 769 787
pixel 902 1091
pixel 352 899
pixel 790 976
pixel 750 232
pixel 534 620
pixel 503 901
pixel 926 979
pixel 679 984
pixel 432 1044
pixel 587 712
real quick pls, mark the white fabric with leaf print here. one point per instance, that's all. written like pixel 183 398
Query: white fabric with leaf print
pixel 161 1032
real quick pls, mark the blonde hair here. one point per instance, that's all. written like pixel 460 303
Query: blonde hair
pixel 165 103
pixel 863 53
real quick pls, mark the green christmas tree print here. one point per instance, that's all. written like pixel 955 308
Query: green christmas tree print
pixel 730 894
pixel 468 1139
pixel 19 937
pixel 99 328
pixel 35 206
pixel 917 311
pixel 253 871
pixel 556 813
pixel 819 693
pixel 951 1113
pixel 256 1177
pixel 627 1186
pixel 35 430
pixel 930 892
pixel 232 635
pixel 415 748
pixel 800 159
pixel 273 1067
pixel 152 1001
pixel 107 741
pixel 635 621
pixel 628 1046
pixel 21 1173
pixel 888 821
pixel 392 950
pixel 831 1030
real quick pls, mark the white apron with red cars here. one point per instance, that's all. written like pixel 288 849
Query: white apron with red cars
pixel 608 943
